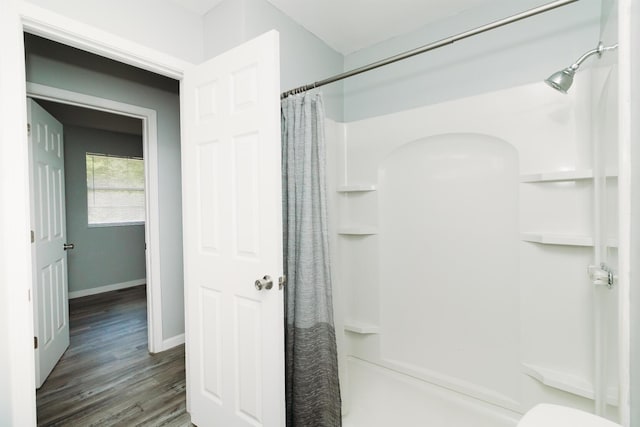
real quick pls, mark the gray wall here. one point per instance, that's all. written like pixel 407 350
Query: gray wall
pixel 103 255
pixel 59 66
pixel 304 58
pixel 520 53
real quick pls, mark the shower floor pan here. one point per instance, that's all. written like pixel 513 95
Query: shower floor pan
pixel 379 397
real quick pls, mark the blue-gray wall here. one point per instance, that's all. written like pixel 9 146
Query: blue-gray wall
pixel 102 255
pixel 63 67
pixel 304 58
pixel 520 53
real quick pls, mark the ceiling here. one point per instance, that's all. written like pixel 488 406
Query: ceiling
pixel 350 25
pixel 85 117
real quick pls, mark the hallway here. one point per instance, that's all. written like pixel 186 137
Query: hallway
pixel 107 377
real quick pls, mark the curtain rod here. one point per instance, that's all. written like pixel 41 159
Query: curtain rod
pixel 431 46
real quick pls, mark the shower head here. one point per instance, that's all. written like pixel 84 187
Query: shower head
pixel 562 80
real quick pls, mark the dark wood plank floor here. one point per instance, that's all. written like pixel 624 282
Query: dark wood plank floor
pixel 106 377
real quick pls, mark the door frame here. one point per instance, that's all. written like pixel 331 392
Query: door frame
pixel 152 208
pixel 16 307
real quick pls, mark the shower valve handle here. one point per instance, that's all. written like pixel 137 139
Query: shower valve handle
pixel 602 275
pixel 265 283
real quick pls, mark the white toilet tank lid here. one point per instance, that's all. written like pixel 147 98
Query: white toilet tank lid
pixel 547 415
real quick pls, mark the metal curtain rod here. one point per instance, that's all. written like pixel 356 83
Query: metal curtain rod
pixel 431 46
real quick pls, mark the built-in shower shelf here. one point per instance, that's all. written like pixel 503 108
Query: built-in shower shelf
pixel 563 239
pixel 557 239
pixel 356 188
pixel 567 382
pixel 361 328
pixel 572 175
pixel 358 230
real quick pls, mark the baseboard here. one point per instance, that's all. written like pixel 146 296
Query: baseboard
pixel 172 342
pixel 107 288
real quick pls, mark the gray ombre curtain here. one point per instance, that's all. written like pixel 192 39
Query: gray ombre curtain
pixel 312 389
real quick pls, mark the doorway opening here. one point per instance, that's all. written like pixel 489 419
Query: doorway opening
pixel 71 80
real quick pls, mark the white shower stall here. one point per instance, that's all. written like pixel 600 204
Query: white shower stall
pixel 462 237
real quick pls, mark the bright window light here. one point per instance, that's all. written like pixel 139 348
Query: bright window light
pixel 115 190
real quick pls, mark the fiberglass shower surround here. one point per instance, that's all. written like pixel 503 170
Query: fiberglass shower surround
pixel 461 257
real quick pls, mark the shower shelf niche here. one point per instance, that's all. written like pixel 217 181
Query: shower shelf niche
pixel 563 239
pixel 356 188
pixel 361 328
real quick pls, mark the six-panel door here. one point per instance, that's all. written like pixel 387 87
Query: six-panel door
pixel 233 236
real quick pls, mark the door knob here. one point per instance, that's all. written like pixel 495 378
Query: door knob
pixel 68 246
pixel 265 283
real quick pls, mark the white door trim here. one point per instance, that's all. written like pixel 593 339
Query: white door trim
pixel 15 249
pixel 16 309
pixel 59 28
pixel 152 208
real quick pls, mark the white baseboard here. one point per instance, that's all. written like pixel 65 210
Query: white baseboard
pixel 107 288
pixel 172 342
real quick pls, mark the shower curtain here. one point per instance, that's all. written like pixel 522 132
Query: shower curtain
pixel 312 389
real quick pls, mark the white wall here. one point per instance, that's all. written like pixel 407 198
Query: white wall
pixel 303 57
pixel 523 52
pixel 158 24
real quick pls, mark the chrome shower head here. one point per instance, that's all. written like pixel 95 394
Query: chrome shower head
pixel 562 80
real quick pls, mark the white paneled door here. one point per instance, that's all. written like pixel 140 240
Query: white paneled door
pixel 51 315
pixel 233 237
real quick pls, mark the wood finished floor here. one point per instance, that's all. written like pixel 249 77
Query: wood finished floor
pixel 106 377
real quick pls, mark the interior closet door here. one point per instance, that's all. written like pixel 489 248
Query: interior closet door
pixel 233 237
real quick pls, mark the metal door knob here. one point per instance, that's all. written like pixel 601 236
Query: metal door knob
pixel 265 283
pixel 68 246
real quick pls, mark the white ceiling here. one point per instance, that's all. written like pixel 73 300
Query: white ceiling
pixel 350 25
pixel 198 6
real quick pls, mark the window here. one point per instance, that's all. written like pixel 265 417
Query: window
pixel 115 190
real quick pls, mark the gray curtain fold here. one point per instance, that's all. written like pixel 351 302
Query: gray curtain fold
pixel 312 388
